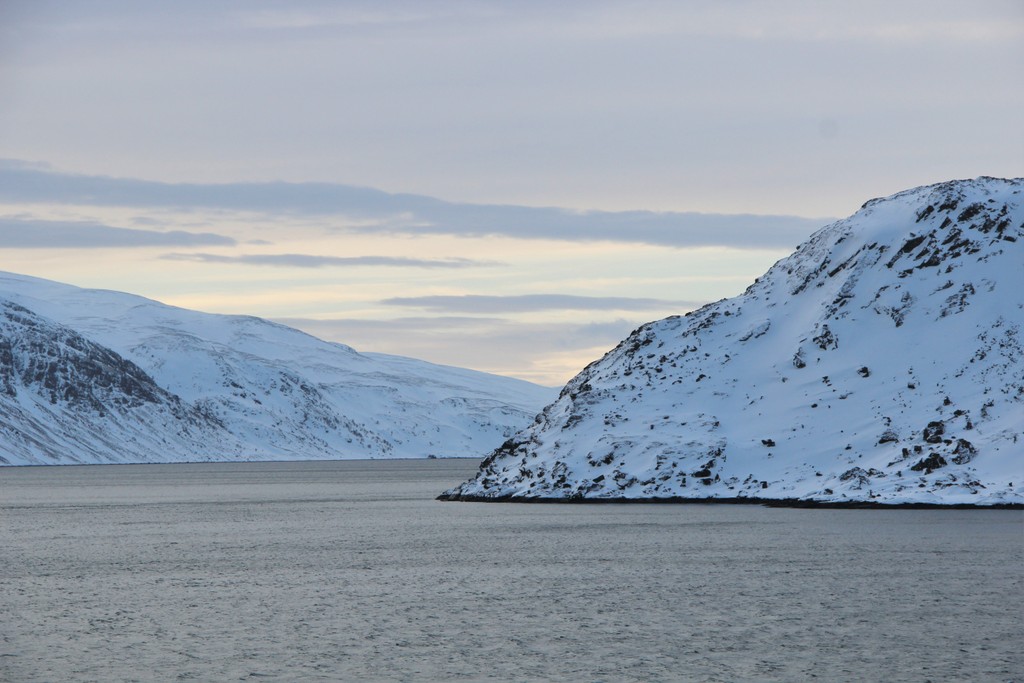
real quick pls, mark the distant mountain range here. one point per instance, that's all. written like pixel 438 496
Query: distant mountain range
pixel 91 376
pixel 883 362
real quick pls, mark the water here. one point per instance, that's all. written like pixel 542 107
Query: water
pixel 351 571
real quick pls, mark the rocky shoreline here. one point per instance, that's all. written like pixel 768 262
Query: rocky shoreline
pixel 765 502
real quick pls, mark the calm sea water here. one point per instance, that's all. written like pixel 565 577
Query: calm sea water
pixel 351 571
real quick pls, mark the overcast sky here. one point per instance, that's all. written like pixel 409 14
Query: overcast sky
pixel 510 186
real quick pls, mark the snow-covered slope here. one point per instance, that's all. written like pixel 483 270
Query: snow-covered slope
pixel 99 376
pixel 67 399
pixel 883 361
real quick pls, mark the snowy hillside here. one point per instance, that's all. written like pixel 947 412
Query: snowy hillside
pixel 99 376
pixel 883 361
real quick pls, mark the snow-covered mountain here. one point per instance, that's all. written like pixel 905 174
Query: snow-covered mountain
pixel 882 361
pixel 91 376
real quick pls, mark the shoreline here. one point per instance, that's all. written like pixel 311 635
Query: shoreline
pixel 765 502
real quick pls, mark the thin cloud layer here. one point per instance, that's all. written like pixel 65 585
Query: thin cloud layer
pixel 669 229
pixel 18 233
pixel 546 353
pixel 315 261
pixel 386 213
pixel 468 304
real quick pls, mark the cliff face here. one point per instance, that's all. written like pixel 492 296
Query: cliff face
pixel 882 361
pixel 65 398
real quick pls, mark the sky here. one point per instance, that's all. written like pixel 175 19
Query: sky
pixel 507 186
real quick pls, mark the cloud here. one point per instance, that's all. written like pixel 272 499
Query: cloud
pixel 910 21
pixel 671 229
pixel 345 329
pixel 330 16
pixel 545 353
pixel 20 233
pixel 383 212
pixel 535 302
pixel 315 261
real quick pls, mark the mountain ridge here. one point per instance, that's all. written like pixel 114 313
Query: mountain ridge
pixel 248 388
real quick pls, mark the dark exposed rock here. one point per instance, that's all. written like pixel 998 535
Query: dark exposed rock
pixel 933 462
pixel 856 476
pixel 970 212
pixel 889 436
pixel 826 339
pixel 964 452
pixel 934 431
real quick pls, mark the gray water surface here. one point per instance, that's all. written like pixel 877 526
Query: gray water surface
pixel 325 571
